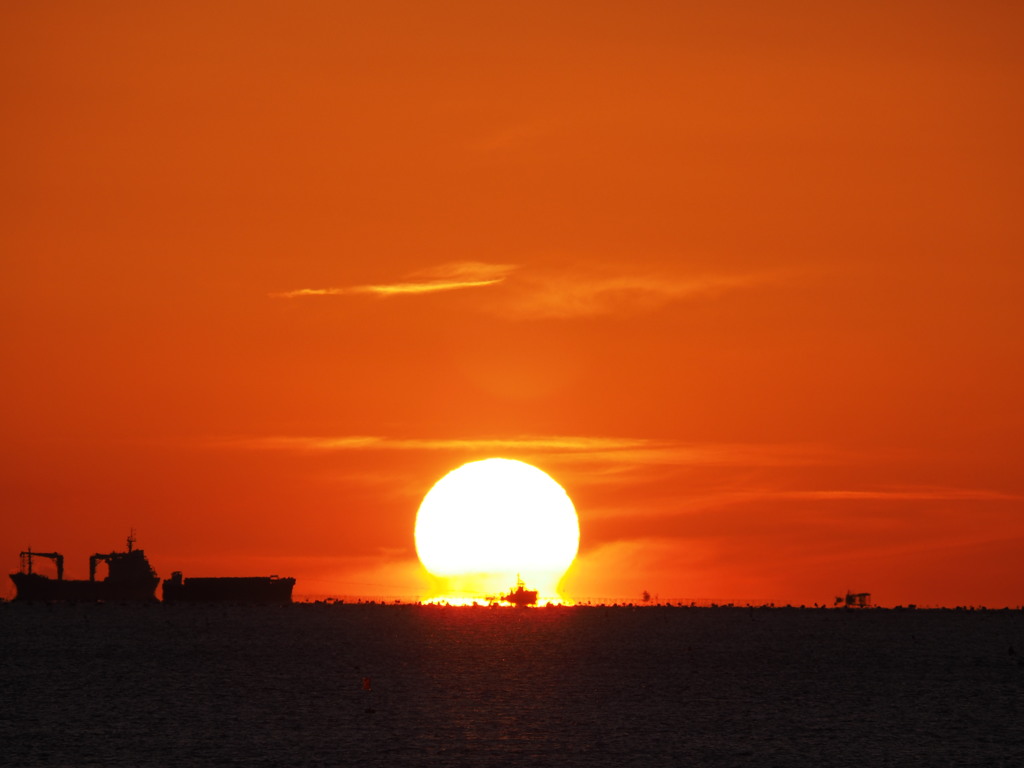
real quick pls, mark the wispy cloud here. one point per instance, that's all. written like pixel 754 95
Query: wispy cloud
pixel 545 292
pixel 901 494
pixel 905 494
pixel 587 292
pixel 720 497
pixel 633 487
pixel 620 452
pixel 601 455
pixel 445 277
pixel 557 443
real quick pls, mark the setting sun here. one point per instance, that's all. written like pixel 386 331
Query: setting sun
pixel 488 522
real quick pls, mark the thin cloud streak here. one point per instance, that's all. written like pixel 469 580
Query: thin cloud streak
pixel 934 494
pixel 387 290
pixel 445 277
pixel 530 443
pixel 619 453
pixel 718 499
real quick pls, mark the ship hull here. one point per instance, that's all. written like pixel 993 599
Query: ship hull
pixel 33 586
pixel 229 589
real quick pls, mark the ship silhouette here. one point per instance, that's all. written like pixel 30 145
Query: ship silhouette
pixel 131 578
pixel 521 596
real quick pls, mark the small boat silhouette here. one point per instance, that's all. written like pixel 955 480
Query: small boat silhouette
pixel 521 596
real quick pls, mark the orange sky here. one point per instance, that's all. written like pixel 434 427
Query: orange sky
pixel 745 278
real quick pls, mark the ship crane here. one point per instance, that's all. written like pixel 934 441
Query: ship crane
pixel 57 557
pixel 94 559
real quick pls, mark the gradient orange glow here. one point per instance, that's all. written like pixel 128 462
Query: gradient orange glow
pixel 746 278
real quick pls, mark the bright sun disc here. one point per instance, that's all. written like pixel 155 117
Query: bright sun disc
pixel 489 521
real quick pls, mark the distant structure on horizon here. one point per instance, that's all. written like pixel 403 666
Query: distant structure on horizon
pixel 854 600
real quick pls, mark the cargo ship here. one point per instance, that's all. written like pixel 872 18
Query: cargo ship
pixel 129 578
pixel 274 590
pixel 521 596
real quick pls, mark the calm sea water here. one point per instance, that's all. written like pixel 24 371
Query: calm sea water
pixel 131 685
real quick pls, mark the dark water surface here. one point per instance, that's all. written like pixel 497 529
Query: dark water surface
pixel 132 685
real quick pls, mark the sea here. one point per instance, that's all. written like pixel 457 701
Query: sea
pixel 368 684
